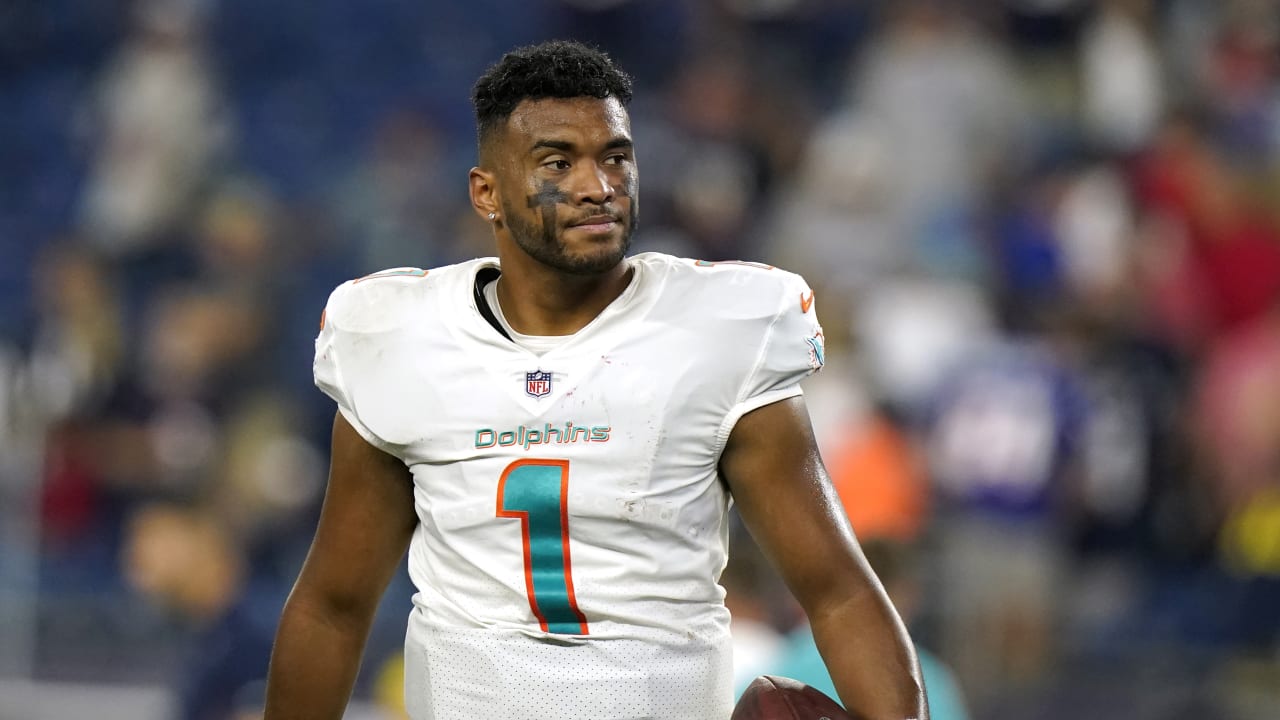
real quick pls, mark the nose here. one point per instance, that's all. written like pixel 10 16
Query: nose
pixel 591 184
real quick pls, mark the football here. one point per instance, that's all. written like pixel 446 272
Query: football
pixel 770 697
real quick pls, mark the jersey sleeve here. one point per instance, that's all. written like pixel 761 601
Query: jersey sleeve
pixel 792 350
pixel 346 307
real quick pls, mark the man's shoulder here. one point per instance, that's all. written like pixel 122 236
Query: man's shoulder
pixel 731 286
pixel 386 299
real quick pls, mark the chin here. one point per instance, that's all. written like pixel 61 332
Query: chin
pixel 590 264
pixel 600 260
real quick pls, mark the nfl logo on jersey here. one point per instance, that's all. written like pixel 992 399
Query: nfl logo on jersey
pixel 537 383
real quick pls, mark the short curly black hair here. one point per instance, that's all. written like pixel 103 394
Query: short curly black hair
pixel 554 69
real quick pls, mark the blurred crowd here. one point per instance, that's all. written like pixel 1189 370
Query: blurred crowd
pixel 1044 236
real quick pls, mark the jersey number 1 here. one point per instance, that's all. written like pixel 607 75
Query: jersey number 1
pixel 534 492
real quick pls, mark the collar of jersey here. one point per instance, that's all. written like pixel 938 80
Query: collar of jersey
pixel 484 325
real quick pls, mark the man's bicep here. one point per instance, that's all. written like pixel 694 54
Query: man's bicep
pixel 781 489
pixel 365 524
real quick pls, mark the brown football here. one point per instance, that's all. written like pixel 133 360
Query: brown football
pixel 770 697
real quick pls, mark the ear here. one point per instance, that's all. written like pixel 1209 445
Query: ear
pixel 484 193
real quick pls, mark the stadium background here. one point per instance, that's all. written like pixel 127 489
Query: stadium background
pixel 1044 235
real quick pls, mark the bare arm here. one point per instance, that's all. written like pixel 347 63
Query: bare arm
pixel 781 489
pixel 365 526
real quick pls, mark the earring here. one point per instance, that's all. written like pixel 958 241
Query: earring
pixel 493 216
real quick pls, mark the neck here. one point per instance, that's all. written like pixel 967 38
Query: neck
pixel 537 300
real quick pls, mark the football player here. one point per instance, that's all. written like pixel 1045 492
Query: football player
pixel 556 436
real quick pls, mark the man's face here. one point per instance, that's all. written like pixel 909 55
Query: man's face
pixel 567 182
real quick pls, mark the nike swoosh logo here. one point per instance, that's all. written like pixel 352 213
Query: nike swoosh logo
pixel 806 301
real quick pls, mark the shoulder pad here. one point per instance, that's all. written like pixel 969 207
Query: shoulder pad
pixel 754 289
pixel 379 302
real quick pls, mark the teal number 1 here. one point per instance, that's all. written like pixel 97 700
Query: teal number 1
pixel 534 492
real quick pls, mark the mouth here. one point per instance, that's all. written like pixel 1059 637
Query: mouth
pixel 596 224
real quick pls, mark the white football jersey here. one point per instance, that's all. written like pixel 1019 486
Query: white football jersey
pixel 572 522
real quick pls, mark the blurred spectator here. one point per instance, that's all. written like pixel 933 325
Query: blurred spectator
pixel 1121 85
pixel 1238 417
pixel 912 333
pixel 880 477
pixel 943 102
pixel 268 475
pixel 1132 511
pixel 1093 226
pixel 1241 72
pixel 187 561
pixel 1228 243
pixel 832 221
pixel 74 364
pixel 237 241
pixel 249 257
pixel 1001 440
pixel 78 351
pixel 158 116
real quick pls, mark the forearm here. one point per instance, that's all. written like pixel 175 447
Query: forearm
pixel 871 659
pixel 314 663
